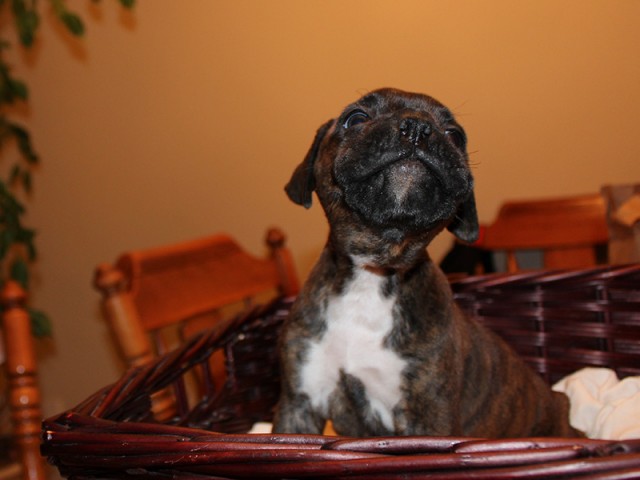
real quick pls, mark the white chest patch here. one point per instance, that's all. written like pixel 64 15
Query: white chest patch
pixel 357 323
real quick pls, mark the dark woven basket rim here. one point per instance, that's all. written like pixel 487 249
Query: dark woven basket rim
pixel 542 277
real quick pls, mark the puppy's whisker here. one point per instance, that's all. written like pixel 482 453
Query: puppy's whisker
pixel 457 111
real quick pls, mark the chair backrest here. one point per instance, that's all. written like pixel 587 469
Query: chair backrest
pixel 155 299
pixel 570 231
pixel 188 284
pixel 19 357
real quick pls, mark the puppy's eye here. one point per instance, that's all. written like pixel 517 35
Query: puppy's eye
pixel 354 118
pixel 456 136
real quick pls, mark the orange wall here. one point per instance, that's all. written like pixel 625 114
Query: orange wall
pixel 187 118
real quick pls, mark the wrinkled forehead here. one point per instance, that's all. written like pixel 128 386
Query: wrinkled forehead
pixel 391 100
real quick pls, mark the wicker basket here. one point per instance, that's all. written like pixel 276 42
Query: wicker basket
pixel 559 321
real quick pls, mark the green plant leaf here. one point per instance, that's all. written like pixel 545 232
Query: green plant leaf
pixel 18 88
pixel 40 323
pixel 9 205
pixel 11 89
pixel 26 236
pixel 26 181
pixel 16 173
pixel 73 23
pixel 26 20
pixel 20 272
pixel 70 20
pixel 31 251
pixel 24 143
pixel 6 240
pixel 128 3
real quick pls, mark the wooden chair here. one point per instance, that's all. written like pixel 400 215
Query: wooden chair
pixel 154 299
pixel 24 392
pixel 570 231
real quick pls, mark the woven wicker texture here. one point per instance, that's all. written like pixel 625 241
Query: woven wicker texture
pixel 560 322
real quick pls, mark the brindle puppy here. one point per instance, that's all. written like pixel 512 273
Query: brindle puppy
pixel 375 342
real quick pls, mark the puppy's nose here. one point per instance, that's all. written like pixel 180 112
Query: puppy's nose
pixel 415 130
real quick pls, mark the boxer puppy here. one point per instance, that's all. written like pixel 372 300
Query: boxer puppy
pixel 374 342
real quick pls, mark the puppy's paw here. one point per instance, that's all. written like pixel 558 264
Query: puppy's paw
pixel 297 417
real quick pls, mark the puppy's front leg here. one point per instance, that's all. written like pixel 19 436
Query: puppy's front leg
pixel 295 415
pixel 430 404
pixel 294 412
pixel 425 417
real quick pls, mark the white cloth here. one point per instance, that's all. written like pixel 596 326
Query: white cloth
pixel 261 427
pixel 602 406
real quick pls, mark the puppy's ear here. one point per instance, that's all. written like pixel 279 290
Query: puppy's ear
pixel 465 223
pixel 303 183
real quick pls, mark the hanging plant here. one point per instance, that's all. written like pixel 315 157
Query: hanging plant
pixel 17 247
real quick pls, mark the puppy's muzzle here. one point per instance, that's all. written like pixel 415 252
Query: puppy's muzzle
pixel 404 172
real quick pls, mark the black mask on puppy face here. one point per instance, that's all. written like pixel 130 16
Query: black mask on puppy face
pixel 398 160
